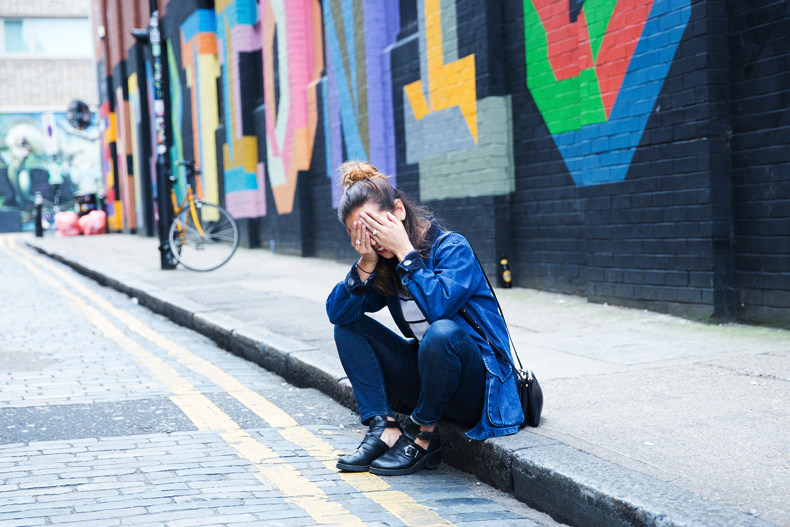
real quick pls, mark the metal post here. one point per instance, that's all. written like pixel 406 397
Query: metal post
pixel 167 260
pixel 38 205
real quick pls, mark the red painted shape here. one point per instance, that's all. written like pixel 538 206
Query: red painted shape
pixel 618 45
pixel 568 44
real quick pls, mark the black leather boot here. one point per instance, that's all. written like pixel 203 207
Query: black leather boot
pixel 406 456
pixel 370 448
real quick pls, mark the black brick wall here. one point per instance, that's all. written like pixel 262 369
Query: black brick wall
pixel 759 80
pixel 699 227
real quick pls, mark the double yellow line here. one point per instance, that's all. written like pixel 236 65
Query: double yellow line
pixel 270 467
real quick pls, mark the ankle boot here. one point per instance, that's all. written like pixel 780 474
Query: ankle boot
pixel 370 448
pixel 406 456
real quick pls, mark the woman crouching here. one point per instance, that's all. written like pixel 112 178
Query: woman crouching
pixel 443 368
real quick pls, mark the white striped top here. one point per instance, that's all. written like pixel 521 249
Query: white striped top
pixel 413 316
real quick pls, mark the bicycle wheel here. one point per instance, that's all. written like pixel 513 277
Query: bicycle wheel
pixel 207 244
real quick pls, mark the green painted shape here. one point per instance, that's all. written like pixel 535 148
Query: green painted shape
pixel 566 105
pixel 482 170
pixel 177 116
pixel 597 13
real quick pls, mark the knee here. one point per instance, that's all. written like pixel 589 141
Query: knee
pixel 348 337
pixel 344 335
pixel 347 329
pixel 442 332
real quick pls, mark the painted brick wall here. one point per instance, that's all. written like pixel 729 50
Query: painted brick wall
pixel 634 152
pixel 760 149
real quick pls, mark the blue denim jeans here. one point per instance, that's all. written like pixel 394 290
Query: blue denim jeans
pixel 443 376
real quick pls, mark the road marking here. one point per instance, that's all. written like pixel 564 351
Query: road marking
pixel 207 416
pixel 373 487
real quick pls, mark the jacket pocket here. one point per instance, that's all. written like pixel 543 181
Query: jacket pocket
pixel 502 403
pixel 499 368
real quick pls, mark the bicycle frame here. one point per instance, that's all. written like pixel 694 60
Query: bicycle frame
pixel 189 200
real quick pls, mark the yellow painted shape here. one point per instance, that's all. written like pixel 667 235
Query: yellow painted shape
pixel 417 100
pixel 110 133
pixel 221 5
pixel 114 222
pixel 231 91
pixel 208 72
pixel 399 504
pixel 201 78
pixel 449 85
pixel 245 153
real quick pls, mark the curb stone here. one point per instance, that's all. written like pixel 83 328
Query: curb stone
pixel 571 486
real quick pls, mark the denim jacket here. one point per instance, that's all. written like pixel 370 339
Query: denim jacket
pixel 447 280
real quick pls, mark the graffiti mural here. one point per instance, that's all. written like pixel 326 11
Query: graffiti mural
pixel 237 36
pixel 108 127
pixel 358 115
pixel 43 153
pixel 136 116
pixel 595 72
pixel 176 150
pixel 292 67
pixel 199 60
pixel 463 145
pixel 125 172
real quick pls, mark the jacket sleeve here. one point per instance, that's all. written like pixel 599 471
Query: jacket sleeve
pixel 352 298
pixel 442 291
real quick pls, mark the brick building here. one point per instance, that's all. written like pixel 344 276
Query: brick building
pixel 46 61
pixel 51 64
pixel 635 152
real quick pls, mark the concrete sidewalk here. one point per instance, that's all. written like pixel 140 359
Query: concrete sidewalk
pixel 648 420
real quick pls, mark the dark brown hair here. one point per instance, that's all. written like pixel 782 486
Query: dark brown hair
pixel 362 184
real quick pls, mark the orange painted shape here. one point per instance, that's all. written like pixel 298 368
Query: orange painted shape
pixel 206 44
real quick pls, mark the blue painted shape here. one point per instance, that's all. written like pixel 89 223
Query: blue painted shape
pixel 592 163
pixel 237 180
pixel 324 83
pixel 348 108
pixel 201 21
pixel 243 12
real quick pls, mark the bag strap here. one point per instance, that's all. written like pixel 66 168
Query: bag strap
pixel 472 322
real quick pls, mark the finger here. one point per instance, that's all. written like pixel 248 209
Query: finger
pixel 372 219
pixel 368 240
pixel 356 236
pixel 393 218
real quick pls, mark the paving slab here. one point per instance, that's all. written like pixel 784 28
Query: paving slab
pixel 649 419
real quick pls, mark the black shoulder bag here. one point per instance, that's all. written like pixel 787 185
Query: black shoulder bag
pixel 529 391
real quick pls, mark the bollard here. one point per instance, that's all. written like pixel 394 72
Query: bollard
pixel 38 205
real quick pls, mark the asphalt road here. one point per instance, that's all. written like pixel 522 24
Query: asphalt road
pixel 111 415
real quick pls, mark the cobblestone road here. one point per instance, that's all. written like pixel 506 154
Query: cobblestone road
pixel 111 415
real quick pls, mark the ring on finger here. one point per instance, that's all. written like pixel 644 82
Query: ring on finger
pixel 375 232
pixel 357 242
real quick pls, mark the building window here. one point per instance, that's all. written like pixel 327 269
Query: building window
pixel 53 37
pixel 14 41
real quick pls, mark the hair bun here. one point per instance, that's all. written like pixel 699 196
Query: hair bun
pixel 353 171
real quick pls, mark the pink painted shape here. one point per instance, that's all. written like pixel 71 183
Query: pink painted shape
pixel 242 39
pixel 299 38
pixel 248 203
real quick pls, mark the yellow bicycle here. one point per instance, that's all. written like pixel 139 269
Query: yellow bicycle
pixel 203 236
